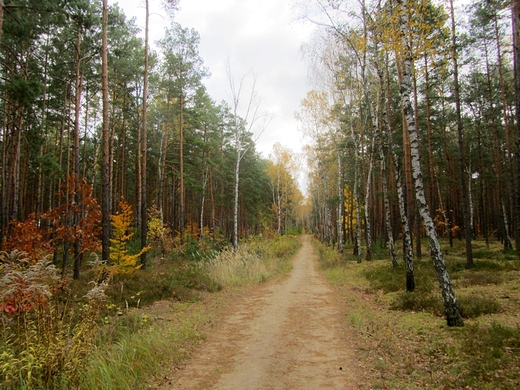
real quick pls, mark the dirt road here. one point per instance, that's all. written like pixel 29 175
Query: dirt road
pixel 286 335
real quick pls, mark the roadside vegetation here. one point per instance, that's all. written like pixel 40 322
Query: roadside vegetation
pixel 402 337
pixel 117 331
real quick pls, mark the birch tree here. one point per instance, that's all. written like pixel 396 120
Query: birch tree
pixel 453 316
pixel 246 117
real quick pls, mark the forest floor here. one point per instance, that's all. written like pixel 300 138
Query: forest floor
pixel 288 333
pixel 344 325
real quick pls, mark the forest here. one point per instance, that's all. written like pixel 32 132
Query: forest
pixel 118 170
pixel 413 129
pixel 168 149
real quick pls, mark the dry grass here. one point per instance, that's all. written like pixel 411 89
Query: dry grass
pixel 255 262
pixel 402 337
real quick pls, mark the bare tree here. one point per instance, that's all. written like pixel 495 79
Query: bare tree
pixel 242 126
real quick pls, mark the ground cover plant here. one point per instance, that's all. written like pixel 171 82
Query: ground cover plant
pixel 115 332
pixel 402 337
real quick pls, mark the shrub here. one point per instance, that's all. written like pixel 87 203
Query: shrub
pixel 120 260
pixel 386 278
pixel 477 278
pixel 418 301
pixel 475 305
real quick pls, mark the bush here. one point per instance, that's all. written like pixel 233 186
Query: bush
pixel 475 305
pixel 470 306
pixel 175 280
pixel 329 258
pixel 386 278
pixel 418 301
pixel 476 278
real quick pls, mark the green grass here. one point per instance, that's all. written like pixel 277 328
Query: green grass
pixel 132 350
pixel 126 340
pixel 402 337
pixel 140 354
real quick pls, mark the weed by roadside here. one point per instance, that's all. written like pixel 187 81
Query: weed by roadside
pixel 46 333
pixel 255 261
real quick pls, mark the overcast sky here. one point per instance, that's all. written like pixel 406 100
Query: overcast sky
pixel 263 36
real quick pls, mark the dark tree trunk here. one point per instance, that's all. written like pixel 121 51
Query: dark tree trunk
pixel 516 58
pixel 462 159
pixel 142 206
pixel 105 174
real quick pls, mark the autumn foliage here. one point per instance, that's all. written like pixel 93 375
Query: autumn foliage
pixel 121 261
pixel 27 236
pixel 75 220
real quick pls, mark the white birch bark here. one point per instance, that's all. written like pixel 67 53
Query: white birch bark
pixel 453 316
pixel 241 126
pixel 340 205
pixel 368 227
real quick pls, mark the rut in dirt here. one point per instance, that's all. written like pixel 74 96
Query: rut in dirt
pixel 286 335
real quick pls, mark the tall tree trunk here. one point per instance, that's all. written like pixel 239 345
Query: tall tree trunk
pixel 516 61
pixel 205 178
pixel 357 244
pixel 143 205
pixel 496 158
pixel 451 308
pixel 182 210
pixel 383 147
pixel 105 174
pixel 408 257
pixel 235 202
pixel 1 18
pixel 431 159
pixel 505 116
pixel 341 205
pixel 161 201
pixel 368 226
pixel 462 159
pixel 417 225
pixel 75 155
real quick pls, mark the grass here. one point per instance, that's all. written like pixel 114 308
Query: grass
pixel 140 354
pixel 403 340
pixel 134 347
pixel 150 321
pixel 254 262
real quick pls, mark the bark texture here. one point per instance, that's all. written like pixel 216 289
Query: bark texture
pixel 453 316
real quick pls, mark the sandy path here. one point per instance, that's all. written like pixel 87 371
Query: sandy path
pixel 286 335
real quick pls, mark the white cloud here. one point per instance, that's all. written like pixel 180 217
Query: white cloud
pixel 258 35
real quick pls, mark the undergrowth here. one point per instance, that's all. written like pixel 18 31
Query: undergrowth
pixel 255 261
pixel 402 336
pixel 58 334
pixel 137 354
pixel 46 333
